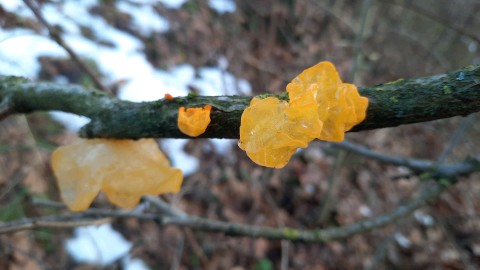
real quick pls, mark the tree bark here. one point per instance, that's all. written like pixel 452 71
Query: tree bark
pixel 403 101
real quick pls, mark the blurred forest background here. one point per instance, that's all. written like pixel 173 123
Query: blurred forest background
pixel 268 43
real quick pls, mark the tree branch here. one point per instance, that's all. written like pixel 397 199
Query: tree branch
pixel 203 224
pixel 435 169
pixel 391 104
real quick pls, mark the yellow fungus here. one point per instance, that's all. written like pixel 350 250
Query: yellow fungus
pixel 271 130
pixel 125 170
pixel 321 106
pixel 193 121
pixel 261 131
pixel 340 106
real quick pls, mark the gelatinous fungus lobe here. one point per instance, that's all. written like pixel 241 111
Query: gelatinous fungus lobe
pixel 267 133
pixel 193 121
pixel 340 106
pixel 320 106
pixel 125 170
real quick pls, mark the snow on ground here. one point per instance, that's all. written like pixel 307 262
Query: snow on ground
pixel 222 6
pixel 101 244
pixel 146 20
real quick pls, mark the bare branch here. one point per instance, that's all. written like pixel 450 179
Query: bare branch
pixel 391 104
pixel 197 223
pixel 435 169
pixel 439 19
pixel 63 221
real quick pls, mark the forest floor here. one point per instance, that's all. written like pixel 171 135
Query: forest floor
pixel 268 43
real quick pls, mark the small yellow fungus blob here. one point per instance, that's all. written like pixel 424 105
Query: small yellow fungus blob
pixel 340 106
pixel 125 170
pixel 193 121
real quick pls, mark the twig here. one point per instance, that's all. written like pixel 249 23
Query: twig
pixel 165 207
pixel 57 37
pixel 434 17
pixel 456 138
pixel 61 221
pixel 203 224
pixel 359 38
pixel 418 165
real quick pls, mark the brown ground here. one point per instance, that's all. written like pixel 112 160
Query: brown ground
pixel 268 43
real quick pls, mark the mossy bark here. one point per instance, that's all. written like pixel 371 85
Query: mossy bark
pixel 391 104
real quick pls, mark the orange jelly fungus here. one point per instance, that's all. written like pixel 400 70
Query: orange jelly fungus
pixel 261 133
pixel 340 106
pixel 320 106
pixel 193 121
pixel 168 97
pixel 271 130
pixel 125 170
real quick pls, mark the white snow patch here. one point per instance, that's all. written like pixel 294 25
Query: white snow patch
pixel 17 7
pixel 215 81
pixel 133 264
pixel 100 245
pixel 222 6
pixel 424 219
pixel 19 57
pixel 72 122
pixel 145 18
pixel 222 146
pixel 402 241
pixel 365 211
pixel 174 149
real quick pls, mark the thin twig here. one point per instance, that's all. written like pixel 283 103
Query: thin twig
pixel 60 221
pixel 418 165
pixel 165 207
pixel 359 38
pixel 434 17
pixel 197 223
pixel 57 37
pixel 456 138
